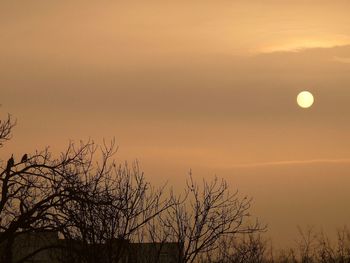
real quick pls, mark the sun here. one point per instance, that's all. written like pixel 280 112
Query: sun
pixel 305 99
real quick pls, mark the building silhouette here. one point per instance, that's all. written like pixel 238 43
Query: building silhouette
pixel 47 247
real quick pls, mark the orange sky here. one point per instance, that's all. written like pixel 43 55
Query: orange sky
pixel 207 85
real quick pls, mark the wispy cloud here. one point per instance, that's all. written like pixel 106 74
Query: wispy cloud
pixel 302 44
pixel 293 162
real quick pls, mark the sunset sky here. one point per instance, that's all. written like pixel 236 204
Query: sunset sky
pixel 204 85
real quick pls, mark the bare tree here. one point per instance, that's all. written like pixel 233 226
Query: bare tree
pixel 91 203
pixel 32 190
pixel 157 236
pixel 317 247
pixel 307 245
pixel 98 206
pixel 115 203
pixel 33 187
pixel 205 214
pixel 246 248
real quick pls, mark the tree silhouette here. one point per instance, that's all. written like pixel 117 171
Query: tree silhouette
pixel 32 191
pixel 114 204
pixel 204 215
pixel 99 206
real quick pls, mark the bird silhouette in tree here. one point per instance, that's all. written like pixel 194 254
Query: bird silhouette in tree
pixel 24 158
pixel 10 163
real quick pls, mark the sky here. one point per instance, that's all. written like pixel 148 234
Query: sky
pixel 204 85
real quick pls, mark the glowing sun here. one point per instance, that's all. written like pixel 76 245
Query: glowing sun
pixel 305 99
